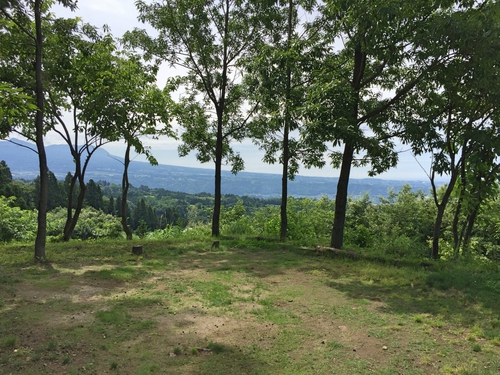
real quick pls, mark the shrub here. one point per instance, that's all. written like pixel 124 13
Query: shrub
pixel 16 224
pixel 92 224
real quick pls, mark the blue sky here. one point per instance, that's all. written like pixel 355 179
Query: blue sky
pixel 120 16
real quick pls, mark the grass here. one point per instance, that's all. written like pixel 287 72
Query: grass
pixel 249 307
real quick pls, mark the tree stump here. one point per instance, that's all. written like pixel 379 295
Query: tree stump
pixel 137 249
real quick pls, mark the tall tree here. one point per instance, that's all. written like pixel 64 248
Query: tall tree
pixel 366 65
pixel 21 16
pixel 207 40
pixel 276 84
pixel 142 109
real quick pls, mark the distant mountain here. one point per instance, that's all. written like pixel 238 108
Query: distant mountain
pixel 23 164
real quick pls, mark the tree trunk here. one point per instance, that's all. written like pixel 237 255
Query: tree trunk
pixel 437 231
pixel 70 226
pixel 41 235
pixel 439 217
pixel 72 218
pixel 125 187
pixel 218 178
pixel 457 237
pixel 471 219
pixel 337 240
pixel 284 189
pixel 69 208
pixel 286 132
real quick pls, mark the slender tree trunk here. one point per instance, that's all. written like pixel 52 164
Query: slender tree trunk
pixel 41 235
pixel 468 232
pixel 70 226
pixel 218 178
pixel 337 239
pixel 286 132
pixel 220 108
pixel 125 187
pixel 457 237
pixel 437 231
pixel 72 218
pixel 284 188
pixel 440 214
pixel 69 208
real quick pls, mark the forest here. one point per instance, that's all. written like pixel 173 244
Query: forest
pixel 337 83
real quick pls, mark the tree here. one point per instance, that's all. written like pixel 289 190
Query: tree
pixel 345 105
pixel 96 83
pixel 206 39
pixel 93 197
pixel 455 115
pixel 20 15
pixel 144 213
pixel 276 85
pixel 111 206
pixel 5 179
pixel 142 110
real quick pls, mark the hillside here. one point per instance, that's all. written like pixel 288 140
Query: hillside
pixel 104 166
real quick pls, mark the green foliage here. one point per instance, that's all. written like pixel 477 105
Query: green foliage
pixel 399 225
pixel 16 224
pixel 235 220
pixel 166 233
pixel 93 224
pixel 308 220
pixel 142 228
pixel 194 232
pixel 93 195
pixel 5 177
pixel 57 192
pixel 23 193
pixel 14 104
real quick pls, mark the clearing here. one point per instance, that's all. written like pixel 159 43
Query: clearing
pixel 185 309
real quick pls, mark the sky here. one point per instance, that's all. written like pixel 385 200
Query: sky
pixel 120 16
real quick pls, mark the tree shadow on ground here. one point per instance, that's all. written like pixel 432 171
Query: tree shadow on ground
pixel 460 296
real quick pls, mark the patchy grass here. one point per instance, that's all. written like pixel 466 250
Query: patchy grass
pixel 249 307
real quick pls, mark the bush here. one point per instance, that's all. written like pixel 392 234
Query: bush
pixel 16 224
pixel 92 224
pixel 163 234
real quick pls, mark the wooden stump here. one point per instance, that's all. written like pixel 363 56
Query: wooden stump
pixel 137 249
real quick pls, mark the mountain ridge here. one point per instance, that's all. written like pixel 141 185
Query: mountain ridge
pixel 23 164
